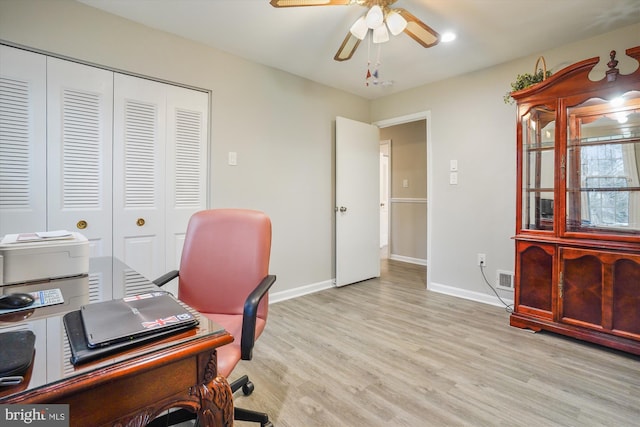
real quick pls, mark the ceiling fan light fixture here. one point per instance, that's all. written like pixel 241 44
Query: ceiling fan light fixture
pixel 396 22
pixel 380 34
pixel 359 28
pixel 375 17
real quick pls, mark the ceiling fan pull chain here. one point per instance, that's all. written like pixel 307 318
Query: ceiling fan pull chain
pixel 367 79
pixel 372 78
pixel 376 74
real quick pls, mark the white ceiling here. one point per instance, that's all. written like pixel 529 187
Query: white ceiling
pixel 303 40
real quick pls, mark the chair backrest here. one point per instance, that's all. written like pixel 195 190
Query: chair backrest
pixel 225 256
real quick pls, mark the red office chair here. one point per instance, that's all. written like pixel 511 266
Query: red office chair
pixel 224 276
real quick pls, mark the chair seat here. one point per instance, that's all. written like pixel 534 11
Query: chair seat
pixel 229 355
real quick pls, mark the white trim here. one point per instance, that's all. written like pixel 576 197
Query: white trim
pixel 435 287
pixel 410 260
pixel 422 115
pixel 408 200
pixel 387 143
pixel 275 297
pixel 403 119
pixel 468 295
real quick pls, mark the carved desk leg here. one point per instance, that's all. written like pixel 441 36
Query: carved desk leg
pixel 216 398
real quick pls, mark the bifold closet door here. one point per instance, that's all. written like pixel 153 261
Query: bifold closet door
pixel 187 160
pixel 121 159
pixel 139 174
pixel 23 141
pixel 79 151
pixel 159 170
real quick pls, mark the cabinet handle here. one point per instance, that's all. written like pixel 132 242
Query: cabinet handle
pixel 82 224
pixel 140 222
pixel 561 285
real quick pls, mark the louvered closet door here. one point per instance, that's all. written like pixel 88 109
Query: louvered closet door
pixel 79 123
pixel 187 159
pixel 23 149
pixel 139 174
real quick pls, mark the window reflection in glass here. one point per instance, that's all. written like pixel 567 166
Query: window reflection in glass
pixel 603 158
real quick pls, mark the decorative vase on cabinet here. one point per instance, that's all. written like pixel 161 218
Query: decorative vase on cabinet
pixel 578 205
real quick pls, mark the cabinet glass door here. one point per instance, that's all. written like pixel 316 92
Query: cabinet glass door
pixel 538 145
pixel 603 163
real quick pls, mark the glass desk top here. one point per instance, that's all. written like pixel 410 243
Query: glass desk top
pixel 108 278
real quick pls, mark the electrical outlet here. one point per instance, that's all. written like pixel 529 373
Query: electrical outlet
pixel 482 260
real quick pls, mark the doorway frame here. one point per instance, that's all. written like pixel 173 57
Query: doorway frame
pixel 426 116
pixel 387 183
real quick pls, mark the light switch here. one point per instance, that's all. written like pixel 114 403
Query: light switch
pixel 453 178
pixel 233 158
pixel 453 165
pixel 405 183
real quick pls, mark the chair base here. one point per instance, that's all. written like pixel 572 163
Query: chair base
pixel 240 414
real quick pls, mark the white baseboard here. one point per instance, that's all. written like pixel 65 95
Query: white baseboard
pixel 470 295
pixel 275 297
pixel 410 260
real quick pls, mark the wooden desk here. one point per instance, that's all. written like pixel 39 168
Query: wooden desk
pixel 129 388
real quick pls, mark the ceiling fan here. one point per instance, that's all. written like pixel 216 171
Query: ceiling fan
pixel 380 18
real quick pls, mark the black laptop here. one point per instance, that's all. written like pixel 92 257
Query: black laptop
pixel 110 322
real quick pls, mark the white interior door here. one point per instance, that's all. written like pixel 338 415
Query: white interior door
pixel 160 170
pixel 186 165
pixel 139 174
pixel 357 201
pixel 79 151
pixel 23 141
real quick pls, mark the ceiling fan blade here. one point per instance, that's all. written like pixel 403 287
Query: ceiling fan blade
pixel 347 48
pixel 418 30
pixel 297 3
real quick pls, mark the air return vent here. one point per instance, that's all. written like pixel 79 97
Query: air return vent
pixel 504 280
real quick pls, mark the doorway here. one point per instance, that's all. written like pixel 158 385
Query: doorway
pixel 409 177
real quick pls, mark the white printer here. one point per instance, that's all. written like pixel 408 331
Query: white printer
pixel 31 257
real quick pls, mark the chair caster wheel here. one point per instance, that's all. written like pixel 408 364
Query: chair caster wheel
pixel 247 389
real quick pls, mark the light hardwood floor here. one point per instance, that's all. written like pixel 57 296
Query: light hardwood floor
pixel 387 352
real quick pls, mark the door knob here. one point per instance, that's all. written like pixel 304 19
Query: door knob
pixel 140 222
pixel 343 209
pixel 82 224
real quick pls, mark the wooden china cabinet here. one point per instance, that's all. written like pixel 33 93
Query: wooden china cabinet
pixel 577 268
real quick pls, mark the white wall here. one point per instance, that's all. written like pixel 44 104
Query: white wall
pixel 471 123
pixel 281 126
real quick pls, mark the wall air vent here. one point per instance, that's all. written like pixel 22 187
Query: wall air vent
pixel 504 280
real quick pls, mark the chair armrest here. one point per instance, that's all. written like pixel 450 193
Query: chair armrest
pixel 250 315
pixel 166 278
